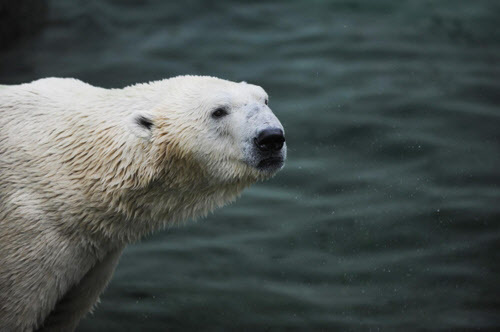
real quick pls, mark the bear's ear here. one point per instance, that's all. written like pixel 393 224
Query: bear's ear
pixel 141 125
pixel 144 121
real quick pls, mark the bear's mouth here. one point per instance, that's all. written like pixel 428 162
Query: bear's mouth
pixel 270 163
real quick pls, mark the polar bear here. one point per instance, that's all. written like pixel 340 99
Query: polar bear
pixel 85 170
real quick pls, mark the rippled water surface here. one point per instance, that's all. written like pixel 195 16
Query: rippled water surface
pixel 387 213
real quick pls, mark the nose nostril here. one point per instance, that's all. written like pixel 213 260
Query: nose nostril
pixel 270 140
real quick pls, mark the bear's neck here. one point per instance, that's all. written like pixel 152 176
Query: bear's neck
pixel 130 213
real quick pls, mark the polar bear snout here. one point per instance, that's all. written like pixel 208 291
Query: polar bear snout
pixel 270 149
pixel 270 139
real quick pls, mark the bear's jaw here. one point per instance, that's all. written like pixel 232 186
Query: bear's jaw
pixel 164 193
pixel 139 212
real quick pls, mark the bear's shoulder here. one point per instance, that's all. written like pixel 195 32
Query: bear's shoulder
pixel 57 82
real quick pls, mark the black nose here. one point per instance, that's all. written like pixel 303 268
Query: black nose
pixel 270 139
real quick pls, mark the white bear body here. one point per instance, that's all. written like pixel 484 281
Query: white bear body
pixel 86 170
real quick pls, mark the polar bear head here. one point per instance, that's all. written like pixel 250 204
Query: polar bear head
pixel 224 130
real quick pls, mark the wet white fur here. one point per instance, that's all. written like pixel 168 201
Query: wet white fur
pixel 80 179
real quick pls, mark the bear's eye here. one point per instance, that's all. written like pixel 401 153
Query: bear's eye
pixel 219 113
pixel 265 101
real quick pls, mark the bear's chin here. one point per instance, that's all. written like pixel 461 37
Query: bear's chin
pixel 271 164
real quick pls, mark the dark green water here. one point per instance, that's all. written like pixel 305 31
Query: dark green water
pixel 387 214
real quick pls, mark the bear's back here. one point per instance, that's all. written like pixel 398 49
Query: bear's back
pixel 48 96
pixel 39 106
